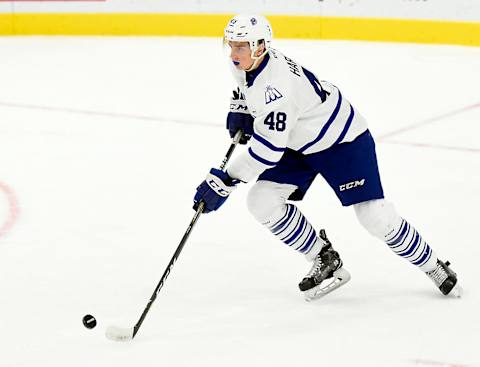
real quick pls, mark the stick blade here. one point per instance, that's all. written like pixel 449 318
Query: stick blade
pixel 119 334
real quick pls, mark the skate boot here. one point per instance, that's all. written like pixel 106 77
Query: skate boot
pixel 327 265
pixel 445 279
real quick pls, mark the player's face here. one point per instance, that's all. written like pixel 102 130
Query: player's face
pixel 241 55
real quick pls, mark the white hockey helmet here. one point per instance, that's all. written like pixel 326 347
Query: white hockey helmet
pixel 251 29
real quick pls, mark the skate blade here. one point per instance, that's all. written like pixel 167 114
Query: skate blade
pixel 457 291
pixel 340 277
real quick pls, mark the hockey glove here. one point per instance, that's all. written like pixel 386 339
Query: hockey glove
pixel 239 117
pixel 214 190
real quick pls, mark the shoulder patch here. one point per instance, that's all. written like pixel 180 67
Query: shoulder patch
pixel 272 94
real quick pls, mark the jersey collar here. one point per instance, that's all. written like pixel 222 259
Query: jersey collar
pixel 252 75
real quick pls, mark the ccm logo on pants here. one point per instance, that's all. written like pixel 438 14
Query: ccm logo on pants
pixel 352 184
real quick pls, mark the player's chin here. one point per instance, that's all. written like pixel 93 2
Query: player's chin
pixel 238 65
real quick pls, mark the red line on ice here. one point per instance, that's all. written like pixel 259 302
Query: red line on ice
pixel 429 121
pixel 107 114
pixel 13 209
pixel 435 146
pixel 49 1
pixel 427 362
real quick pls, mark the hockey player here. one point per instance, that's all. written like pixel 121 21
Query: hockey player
pixel 300 127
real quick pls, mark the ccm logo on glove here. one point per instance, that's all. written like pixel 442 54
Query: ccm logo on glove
pixel 217 188
pixel 214 190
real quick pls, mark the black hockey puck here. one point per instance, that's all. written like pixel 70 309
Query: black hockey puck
pixel 89 321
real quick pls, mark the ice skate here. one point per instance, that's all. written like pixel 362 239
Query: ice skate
pixel 445 279
pixel 326 274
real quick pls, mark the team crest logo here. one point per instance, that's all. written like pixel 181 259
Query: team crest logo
pixel 271 94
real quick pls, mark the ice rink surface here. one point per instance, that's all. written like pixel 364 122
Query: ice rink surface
pixel 102 143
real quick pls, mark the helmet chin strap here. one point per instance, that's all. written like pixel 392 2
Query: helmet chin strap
pixel 256 59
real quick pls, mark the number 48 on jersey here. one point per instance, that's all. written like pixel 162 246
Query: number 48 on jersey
pixel 276 121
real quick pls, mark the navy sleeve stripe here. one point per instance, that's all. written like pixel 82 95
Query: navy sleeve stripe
pixel 327 125
pixel 315 84
pixel 267 143
pixel 347 126
pixel 260 159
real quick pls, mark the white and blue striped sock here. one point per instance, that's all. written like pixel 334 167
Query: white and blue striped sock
pixel 294 230
pixel 406 242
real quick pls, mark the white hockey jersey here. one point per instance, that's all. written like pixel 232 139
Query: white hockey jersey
pixel 292 109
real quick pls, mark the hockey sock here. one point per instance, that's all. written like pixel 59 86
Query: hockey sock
pixel 380 218
pixel 294 230
pixel 406 242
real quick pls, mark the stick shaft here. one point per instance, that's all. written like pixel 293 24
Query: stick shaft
pixel 179 249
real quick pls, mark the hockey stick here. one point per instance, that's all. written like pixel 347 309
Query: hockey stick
pixel 125 334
